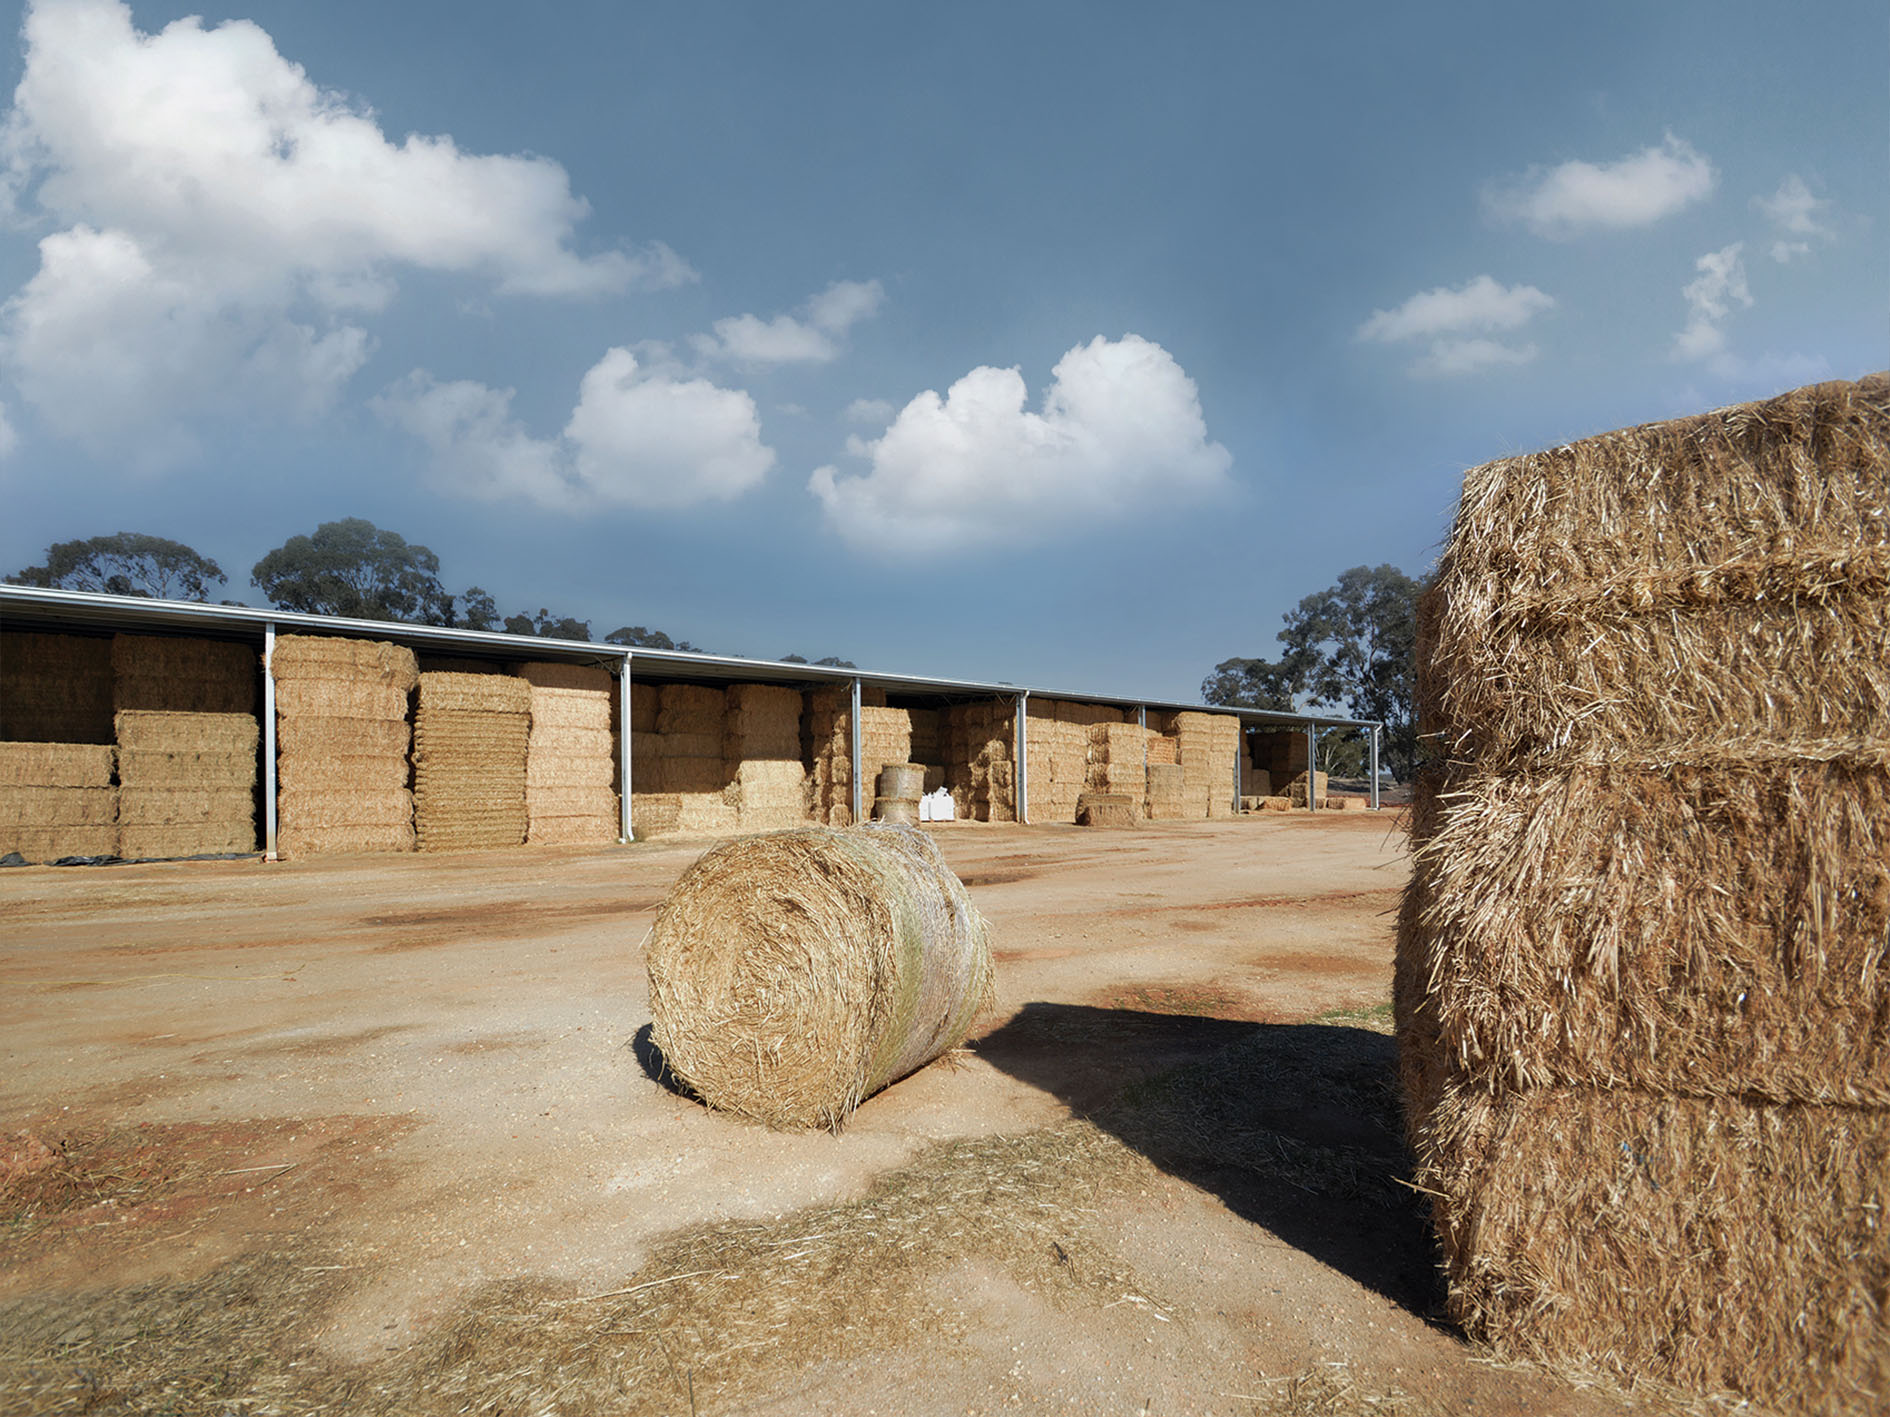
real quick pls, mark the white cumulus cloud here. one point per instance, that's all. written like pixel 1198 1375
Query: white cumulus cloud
pixel 1710 297
pixel 812 337
pixel 637 437
pixel 1637 190
pixel 1120 431
pixel 1458 323
pixel 1794 213
pixel 1480 304
pixel 231 223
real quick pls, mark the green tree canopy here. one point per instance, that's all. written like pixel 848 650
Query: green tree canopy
pixel 477 610
pixel 355 569
pixel 1352 646
pixel 639 637
pixel 830 662
pixel 547 626
pixel 125 563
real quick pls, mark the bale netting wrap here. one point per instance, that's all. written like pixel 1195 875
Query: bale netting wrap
pixel 793 975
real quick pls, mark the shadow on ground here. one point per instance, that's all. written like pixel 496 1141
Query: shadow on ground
pixel 1294 1126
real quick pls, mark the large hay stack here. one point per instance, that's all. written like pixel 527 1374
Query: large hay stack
pixel 57 799
pixel 1166 797
pixel 762 754
pixel 570 755
pixel 982 771
pixel 1208 748
pixel 827 738
pixel 175 674
pixel 186 783
pixel 55 688
pixel 1118 761
pixel 1057 740
pixel 1642 994
pixel 471 735
pixel 795 974
pixel 342 741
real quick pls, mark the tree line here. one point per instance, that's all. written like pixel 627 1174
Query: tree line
pixel 349 568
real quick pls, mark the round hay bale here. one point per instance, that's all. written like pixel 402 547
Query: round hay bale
pixel 902 780
pixel 794 975
pixel 903 810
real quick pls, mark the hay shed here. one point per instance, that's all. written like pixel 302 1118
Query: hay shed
pixel 1642 998
pixel 793 975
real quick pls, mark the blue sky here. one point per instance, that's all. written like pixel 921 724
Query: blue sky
pixel 1068 344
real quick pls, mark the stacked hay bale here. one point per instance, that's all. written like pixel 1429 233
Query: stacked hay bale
pixel 896 793
pixel 1058 744
pixel 185 723
pixel 762 756
pixel 170 674
pixel 1118 762
pixel 1294 790
pixel 57 799
pixel 983 737
pixel 55 688
pixel 692 776
pixel 186 783
pixel 1107 809
pixel 885 740
pixel 570 755
pixel 828 735
pixel 1208 748
pixel 342 740
pixel 1256 777
pixel 471 736
pixel 1166 797
pixel 1056 775
pixel 1643 1008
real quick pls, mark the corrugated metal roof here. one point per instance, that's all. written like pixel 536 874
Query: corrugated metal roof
pixel 29 607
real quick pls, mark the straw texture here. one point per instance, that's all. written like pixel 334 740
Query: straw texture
pixel 55 688
pixel 471 736
pixel 187 781
pixel 57 799
pixel 1642 1007
pixel 571 755
pixel 793 975
pixel 184 675
pixel 342 745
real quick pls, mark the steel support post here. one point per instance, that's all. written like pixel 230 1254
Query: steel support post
pixel 1022 757
pixel 853 747
pixel 626 825
pixel 1374 767
pixel 1312 767
pixel 269 742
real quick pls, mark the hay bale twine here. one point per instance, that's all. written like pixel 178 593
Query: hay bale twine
pixel 793 975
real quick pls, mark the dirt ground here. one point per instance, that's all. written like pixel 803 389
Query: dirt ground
pixel 382 1135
